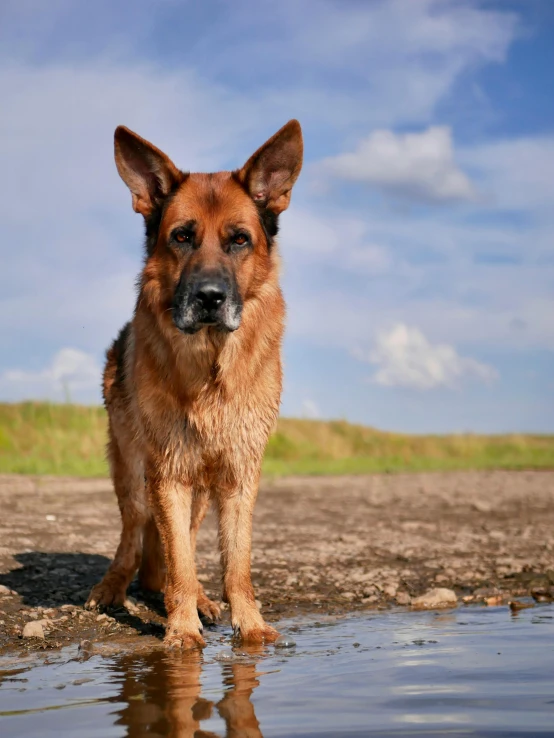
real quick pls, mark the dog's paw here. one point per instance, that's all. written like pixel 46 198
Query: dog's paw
pixel 262 634
pixel 208 608
pixel 183 638
pixel 105 594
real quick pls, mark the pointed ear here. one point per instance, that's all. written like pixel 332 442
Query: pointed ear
pixel 271 172
pixel 147 171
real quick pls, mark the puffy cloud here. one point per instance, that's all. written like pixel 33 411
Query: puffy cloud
pixel 415 165
pixel 71 373
pixel 514 173
pixel 404 357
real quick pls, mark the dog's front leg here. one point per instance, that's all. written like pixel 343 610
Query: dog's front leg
pixel 172 504
pixel 235 510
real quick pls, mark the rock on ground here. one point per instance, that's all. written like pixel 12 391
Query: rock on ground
pixel 33 629
pixel 434 598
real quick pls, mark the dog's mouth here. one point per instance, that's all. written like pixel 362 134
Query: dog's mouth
pixel 192 319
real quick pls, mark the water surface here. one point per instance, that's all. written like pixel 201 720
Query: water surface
pixel 467 672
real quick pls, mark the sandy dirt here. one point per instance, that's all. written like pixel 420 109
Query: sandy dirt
pixel 321 545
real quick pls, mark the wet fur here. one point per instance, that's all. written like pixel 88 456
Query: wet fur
pixel 190 415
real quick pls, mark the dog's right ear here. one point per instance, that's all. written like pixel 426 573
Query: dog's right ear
pixel 147 171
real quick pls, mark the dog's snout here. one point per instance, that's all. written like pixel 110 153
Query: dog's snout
pixel 207 299
pixel 211 294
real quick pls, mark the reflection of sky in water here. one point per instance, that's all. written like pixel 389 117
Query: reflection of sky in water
pixel 472 671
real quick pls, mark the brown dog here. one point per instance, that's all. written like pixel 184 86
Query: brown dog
pixel 192 384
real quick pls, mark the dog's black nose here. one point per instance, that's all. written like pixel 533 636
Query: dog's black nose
pixel 211 294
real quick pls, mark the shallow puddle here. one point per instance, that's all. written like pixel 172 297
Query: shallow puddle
pixel 472 671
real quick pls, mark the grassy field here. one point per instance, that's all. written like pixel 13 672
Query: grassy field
pixel 43 438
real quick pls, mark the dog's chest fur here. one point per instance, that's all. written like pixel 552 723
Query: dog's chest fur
pixel 206 419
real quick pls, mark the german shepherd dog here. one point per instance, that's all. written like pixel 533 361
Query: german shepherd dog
pixel 192 384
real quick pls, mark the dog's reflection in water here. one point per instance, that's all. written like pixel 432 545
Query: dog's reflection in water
pixel 161 696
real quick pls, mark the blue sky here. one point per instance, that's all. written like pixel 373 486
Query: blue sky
pixel 418 251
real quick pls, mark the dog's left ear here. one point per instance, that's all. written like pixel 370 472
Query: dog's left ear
pixel 271 172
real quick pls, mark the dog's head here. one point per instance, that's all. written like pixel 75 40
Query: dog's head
pixel 208 236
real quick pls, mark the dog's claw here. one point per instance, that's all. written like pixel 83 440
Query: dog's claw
pixel 209 609
pixel 103 595
pixel 266 634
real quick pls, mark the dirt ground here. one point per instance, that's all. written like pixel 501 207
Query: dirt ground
pixel 321 545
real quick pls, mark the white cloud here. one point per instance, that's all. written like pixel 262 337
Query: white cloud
pixel 515 173
pixel 71 373
pixel 337 240
pixel 404 357
pixel 416 165
pixel 405 56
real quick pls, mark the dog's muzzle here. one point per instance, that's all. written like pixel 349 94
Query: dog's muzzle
pixel 207 301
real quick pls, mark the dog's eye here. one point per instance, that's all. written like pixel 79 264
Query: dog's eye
pixel 240 239
pixel 182 237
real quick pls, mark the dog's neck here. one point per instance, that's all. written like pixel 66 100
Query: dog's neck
pixel 212 360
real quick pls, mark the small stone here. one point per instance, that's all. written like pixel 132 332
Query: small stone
pixel 285 642
pixel 349 595
pixel 482 506
pixel 369 589
pixel 130 605
pixel 370 600
pixel 543 594
pixel 435 598
pixel 484 592
pixel 4 590
pixel 516 605
pixel 494 601
pixel 403 598
pixel 86 649
pixel 390 590
pixel 102 618
pixel 51 518
pixel 33 629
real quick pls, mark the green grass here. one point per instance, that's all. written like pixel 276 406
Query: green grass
pixel 44 438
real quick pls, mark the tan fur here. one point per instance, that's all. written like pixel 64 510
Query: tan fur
pixel 191 414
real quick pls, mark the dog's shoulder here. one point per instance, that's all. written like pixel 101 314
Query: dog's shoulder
pixel 114 370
